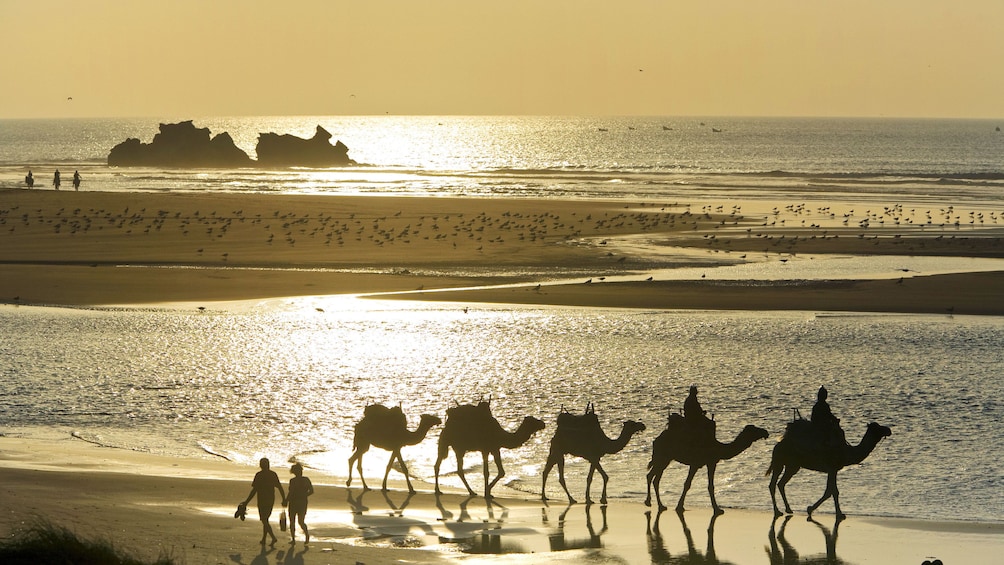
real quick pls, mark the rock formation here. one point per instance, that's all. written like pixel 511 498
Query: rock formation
pixel 184 145
pixel 290 151
pixel 180 145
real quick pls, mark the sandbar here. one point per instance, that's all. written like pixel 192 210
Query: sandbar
pixel 102 248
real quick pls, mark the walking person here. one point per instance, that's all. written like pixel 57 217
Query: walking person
pixel 299 489
pixel 29 180
pixel 76 180
pixel 55 180
pixel 264 485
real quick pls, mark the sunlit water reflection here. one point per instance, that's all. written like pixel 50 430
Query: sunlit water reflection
pixel 290 378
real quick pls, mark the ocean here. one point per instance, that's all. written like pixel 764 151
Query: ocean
pixel 289 378
pixel 556 157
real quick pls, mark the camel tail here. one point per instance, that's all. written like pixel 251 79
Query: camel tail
pixel 770 469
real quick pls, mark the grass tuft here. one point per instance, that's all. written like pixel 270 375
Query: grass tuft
pixel 45 542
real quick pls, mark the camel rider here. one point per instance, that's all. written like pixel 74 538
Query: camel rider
pixel 696 416
pixel 825 421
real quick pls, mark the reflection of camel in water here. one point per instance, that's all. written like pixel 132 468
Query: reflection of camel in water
pixel 677 443
pixel 559 542
pixel 657 547
pixel 783 553
pixel 473 428
pixel 386 428
pixel 582 436
pixel 802 447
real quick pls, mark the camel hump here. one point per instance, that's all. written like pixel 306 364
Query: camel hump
pixel 470 412
pixel 578 423
pixel 379 412
pixel 676 421
pixel 805 432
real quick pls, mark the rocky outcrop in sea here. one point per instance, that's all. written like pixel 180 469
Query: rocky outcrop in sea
pixel 184 145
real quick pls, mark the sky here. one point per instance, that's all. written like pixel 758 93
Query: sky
pixel 195 58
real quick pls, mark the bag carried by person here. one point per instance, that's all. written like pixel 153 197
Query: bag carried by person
pixel 282 521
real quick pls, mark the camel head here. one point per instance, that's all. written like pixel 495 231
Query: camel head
pixel 429 420
pixel 530 425
pixel 631 427
pixel 753 433
pixel 878 430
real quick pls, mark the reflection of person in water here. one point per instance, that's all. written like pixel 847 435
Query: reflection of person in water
pixel 823 418
pixel 264 485
pixel 299 489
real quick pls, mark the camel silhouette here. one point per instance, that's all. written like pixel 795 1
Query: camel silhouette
pixel 386 428
pixel 581 436
pixel 803 446
pixel 473 428
pixel 677 443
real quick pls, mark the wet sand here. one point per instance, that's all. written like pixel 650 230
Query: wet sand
pixel 94 248
pixel 152 506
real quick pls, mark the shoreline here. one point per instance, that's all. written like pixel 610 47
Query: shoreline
pixel 98 248
pixel 150 505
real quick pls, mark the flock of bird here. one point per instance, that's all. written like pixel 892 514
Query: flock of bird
pixel 718 227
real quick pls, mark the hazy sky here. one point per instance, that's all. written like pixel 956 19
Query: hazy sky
pixel 194 58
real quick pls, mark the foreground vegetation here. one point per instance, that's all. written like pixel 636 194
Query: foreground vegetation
pixel 47 543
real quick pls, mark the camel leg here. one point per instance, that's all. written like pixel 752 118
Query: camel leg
pixel 836 499
pixel 775 472
pixel 551 462
pixel 411 489
pixel 589 483
pixel 831 487
pixel 561 479
pixel 711 488
pixel 484 469
pixel 357 458
pixel 390 465
pixel 460 471
pixel 497 454
pixel 789 472
pixel 443 450
pixel 352 459
pixel 654 478
pixel 397 454
pixel 603 496
pixel 686 486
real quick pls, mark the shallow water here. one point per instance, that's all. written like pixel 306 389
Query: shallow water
pixel 289 379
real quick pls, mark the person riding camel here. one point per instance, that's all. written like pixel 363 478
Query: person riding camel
pixel 825 421
pixel 697 417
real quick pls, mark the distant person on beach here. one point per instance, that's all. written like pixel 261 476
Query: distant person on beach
pixel 823 418
pixel 55 180
pixel 76 180
pixel 299 489
pixel 264 485
pixel 29 180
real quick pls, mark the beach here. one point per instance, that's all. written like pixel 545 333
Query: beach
pixel 152 506
pixel 85 249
